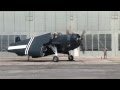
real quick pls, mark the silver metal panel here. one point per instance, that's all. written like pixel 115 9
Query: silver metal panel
pixel 72 21
pixel 104 21
pixel 1 21
pixel 39 21
pixel 20 21
pixel 9 21
pixel 50 21
pixel 92 20
pixel 82 20
pixel 27 22
pixel 60 21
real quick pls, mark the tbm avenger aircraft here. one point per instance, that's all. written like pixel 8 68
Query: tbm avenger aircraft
pixel 47 44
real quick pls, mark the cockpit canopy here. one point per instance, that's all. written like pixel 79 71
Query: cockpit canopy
pixel 56 34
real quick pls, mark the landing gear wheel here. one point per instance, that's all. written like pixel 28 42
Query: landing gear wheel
pixel 71 58
pixel 55 59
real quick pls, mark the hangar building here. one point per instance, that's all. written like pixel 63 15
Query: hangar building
pixel 102 28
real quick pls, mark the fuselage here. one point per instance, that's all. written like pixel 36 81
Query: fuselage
pixel 32 46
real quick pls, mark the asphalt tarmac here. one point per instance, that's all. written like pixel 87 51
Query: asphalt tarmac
pixel 46 69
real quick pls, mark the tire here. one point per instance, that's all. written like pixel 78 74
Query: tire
pixel 55 59
pixel 70 58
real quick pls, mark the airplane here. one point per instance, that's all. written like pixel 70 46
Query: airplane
pixel 47 44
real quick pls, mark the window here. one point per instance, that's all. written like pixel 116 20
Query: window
pixel 119 42
pixel 83 42
pixel 4 42
pixel 89 42
pixel 11 39
pixel 101 42
pixel 108 42
pixel 95 42
pixel 23 37
pixel 0 44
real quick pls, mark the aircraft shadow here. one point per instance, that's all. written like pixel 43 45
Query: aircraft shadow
pixel 38 61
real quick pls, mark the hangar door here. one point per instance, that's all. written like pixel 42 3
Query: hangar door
pixel 118 54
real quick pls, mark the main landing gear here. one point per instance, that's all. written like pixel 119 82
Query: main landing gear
pixel 55 58
pixel 70 58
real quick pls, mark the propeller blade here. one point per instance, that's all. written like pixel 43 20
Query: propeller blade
pixel 82 35
pixel 81 43
pixel 67 32
pixel 82 47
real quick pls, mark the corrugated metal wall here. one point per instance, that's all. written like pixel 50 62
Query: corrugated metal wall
pixel 47 21
pixel 33 23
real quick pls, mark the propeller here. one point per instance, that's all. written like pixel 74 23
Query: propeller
pixel 81 41
pixel 82 47
pixel 68 32
pixel 83 34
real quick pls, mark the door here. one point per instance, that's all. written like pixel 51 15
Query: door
pixel 118 45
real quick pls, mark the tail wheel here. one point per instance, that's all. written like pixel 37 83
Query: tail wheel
pixel 70 58
pixel 55 59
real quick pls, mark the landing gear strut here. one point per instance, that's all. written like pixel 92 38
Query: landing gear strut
pixel 55 58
